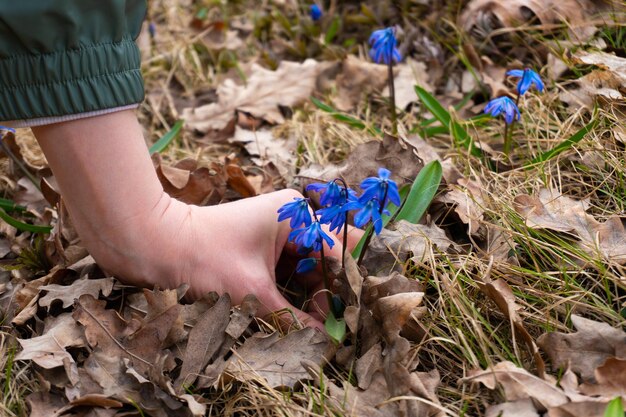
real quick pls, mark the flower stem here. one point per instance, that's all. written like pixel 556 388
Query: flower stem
pixel 345 223
pixel 508 130
pixel 370 232
pixel 329 294
pixel 392 100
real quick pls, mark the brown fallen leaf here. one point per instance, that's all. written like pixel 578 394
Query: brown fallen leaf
pixel 264 147
pixel 49 349
pixel 240 319
pixel 395 310
pixel 518 384
pixel 481 17
pixel 605 85
pixel 551 210
pixel 610 377
pixel 68 293
pixel 367 365
pixel 238 181
pixel 396 154
pixel 468 200
pixel 519 408
pixel 392 248
pixel 263 92
pixel 357 77
pixel 278 359
pixel 579 409
pixel 105 331
pixel 587 349
pixel 45 404
pixel 500 292
pixel 190 184
pixel 204 341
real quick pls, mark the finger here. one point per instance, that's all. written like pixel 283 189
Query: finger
pixel 273 301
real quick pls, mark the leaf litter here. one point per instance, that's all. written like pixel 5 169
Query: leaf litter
pixel 98 347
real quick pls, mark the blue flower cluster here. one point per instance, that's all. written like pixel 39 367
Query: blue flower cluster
pixel 507 107
pixel 383 43
pixel 315 12
pixel 337 201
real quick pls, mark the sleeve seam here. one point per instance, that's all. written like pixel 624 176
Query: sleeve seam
pixel 65 51
pixel 68 81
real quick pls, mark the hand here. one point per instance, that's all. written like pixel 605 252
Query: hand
pixel 142 236
pixel 233 248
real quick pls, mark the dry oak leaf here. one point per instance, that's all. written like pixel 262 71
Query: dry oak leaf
pixel 468 200
pixel 391 248
pixel 204 341
pixel 551 210
pixel 587 349
pixel 396 154
pixel 261 96
pixel 611 378
pixel 263 147
pixel 518 384
pixel 114 339
pixel 358 77
pixel 484 16
pixel 190 184
pixel 376 400
pixel 45 404
pixel 607 84
pixel 502 294
pixel 277 359
pixel 519 408
pixel 68 293
pixel 49 349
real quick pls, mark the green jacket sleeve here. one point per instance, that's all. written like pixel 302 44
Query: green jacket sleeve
pixel 67 57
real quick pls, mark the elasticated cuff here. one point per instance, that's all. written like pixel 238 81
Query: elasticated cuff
pixel 91 79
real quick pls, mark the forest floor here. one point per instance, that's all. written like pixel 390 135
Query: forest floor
pixel 506 298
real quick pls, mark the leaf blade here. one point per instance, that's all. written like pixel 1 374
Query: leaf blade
pixel 24 227
pixel 167 138
pixel 422 193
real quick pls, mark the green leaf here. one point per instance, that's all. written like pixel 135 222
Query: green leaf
pixel 322 106
pixel 614 408
pixel 422 193
pixel 24 227
pixel 336 328
pixel 460 135
pixel 566 144
pixel 332 31
pixel 10 205
pixel 166 139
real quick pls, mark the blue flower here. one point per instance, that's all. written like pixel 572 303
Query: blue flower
pixel 311 237
pixel 381 188
pixel 333 215
pixel 368 211
pixel 503 105
pixel 528 79
pixel 306 265
pixel 315 12
pixel 297 210
pixel 331 192
pixel 383 43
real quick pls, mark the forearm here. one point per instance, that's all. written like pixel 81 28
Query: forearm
pixel 107 180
